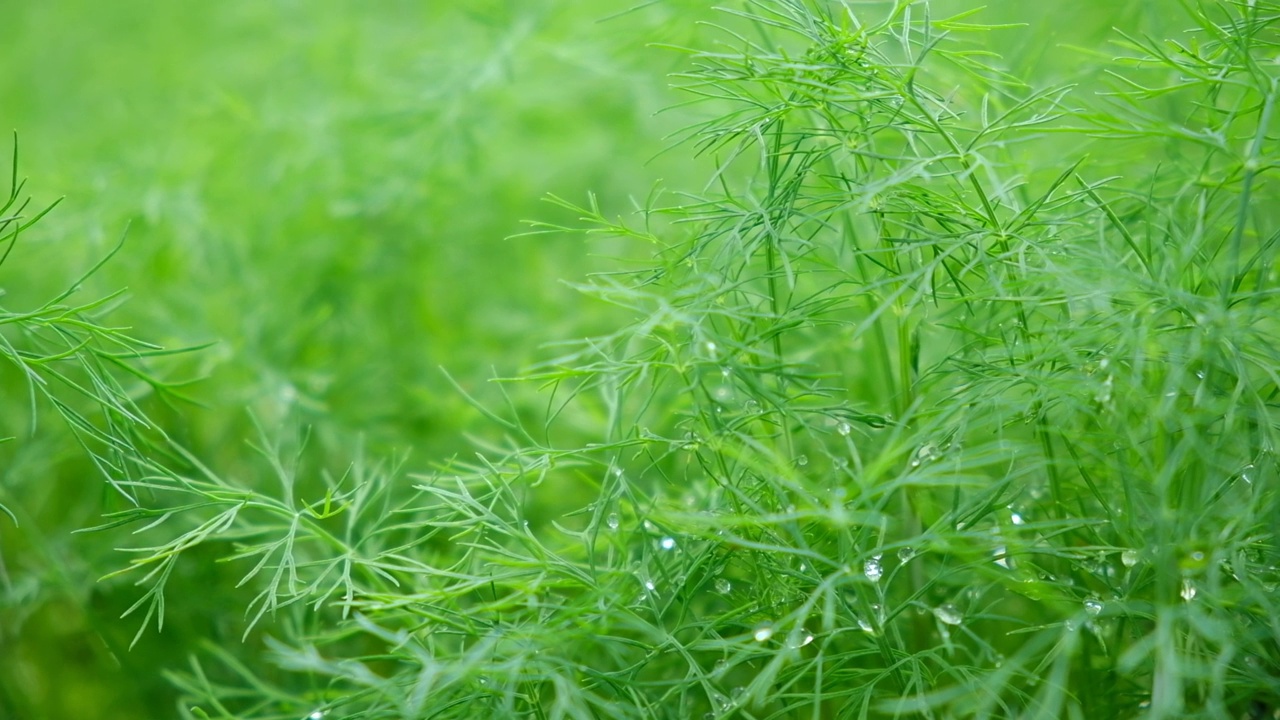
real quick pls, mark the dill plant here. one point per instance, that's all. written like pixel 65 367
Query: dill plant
pixel 923 413
pixel 65 356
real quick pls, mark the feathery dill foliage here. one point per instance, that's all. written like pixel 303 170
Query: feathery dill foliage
pixel 922 415
pixel 65 356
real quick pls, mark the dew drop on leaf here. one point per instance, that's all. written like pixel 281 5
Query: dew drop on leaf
pixel 1188 591
pixel 949 614
pixel 872 569
pixel 1129 557
pixel 723 586
pixel 762 634
pixel 799 639
pixel 613 521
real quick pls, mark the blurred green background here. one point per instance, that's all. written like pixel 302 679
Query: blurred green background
pixel 326 190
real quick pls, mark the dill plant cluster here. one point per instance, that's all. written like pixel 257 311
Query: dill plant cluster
pixel 949 396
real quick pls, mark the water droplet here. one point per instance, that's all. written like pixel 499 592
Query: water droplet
pixel 650 527
pixel 648 585
pixel 802 460
pixel 710 347
pixel 1188 591
pixel 799 638
pixel 316 715
pixel 763 633
pixel 720 667
pixel 905 554
pixel 1093 606
pixel 872 569
pixel 1129 557
pixel 725 371
pixel 1002 557
pixel 1104 393
pixel 1017 519
pixel 723 586
pixel 613 521
pixel 1245 473
pixel 949 614
pixel 667 543
pixel 866 626
pixel 844 429
pixel 1072 624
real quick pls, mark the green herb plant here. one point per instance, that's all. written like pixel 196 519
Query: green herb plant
pixel 67 358
pixel 948 396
